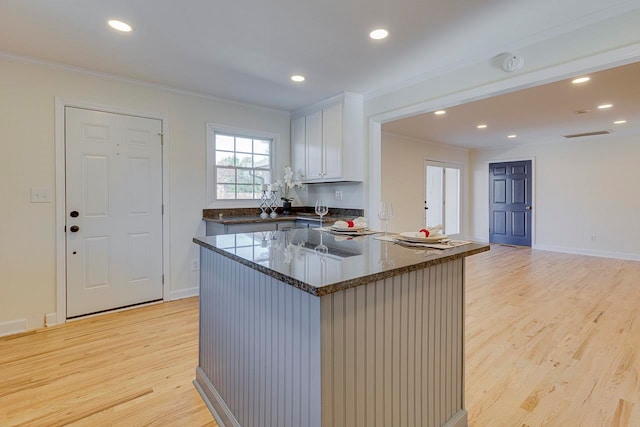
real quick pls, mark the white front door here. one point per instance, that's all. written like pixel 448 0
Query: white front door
pixel 113 210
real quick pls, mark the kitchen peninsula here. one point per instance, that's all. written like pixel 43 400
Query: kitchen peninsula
pixel 304 328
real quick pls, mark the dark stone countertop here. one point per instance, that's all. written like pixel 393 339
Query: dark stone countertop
pixel 252 215
pixel 291 257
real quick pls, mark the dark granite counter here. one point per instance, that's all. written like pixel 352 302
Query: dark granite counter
pixel 321 263
pixel 252 215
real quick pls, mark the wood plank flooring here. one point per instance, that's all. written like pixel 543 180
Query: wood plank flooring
pixel 551 340
pixel 132 368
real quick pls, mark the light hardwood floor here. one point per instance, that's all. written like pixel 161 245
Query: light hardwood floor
pixel 551 340
pixel 132 368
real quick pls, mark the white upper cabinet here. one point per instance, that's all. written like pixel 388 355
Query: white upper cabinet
pixel 332 142
pixel 326 140
pixel 314 149
pixel 298 148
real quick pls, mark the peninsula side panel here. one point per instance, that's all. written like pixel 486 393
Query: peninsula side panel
pixel 392 351
pixel 259 347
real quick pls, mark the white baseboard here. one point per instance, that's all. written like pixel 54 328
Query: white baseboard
pixel 589 252
pixel 184 293
pixel 51 319
pixel 477 239
pixel 13 327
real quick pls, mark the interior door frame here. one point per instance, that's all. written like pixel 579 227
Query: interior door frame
pixel 533 193
pixel 61 196
pixel 461 202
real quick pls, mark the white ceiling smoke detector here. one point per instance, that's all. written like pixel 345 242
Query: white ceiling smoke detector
pixel 512 62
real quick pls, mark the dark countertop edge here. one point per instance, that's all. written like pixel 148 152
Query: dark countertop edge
pixel 228 220
pixel 231 220
pixel 447 256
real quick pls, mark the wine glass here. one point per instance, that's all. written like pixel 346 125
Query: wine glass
pixel 321 209
pixel 385 213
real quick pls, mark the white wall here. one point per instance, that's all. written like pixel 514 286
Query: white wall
pixel 583 188
pixel 403 178
pixel 352 195
pixel 27 239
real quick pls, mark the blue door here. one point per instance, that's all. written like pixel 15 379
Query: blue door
pixel 510 203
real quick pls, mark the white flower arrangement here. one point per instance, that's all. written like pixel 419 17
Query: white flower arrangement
pixel 288 183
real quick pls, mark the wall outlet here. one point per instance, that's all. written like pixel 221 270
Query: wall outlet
pixel 195 264
pixel 40 195
pixel 594 237
pixel 338 195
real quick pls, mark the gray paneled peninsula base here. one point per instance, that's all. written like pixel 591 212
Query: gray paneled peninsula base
pixel 298 331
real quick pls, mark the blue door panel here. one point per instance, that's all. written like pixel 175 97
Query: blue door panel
pixel 500 191
pixel 519 224
pixel 519 190
pixel 500 170
pixel 500 222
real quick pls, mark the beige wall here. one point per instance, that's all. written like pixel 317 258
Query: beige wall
pixel 583 188
pixel 27 239
pixel 403 178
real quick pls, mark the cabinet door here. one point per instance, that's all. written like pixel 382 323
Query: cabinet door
pixel 313 132
pixel 299 147
pixel 332 141
pixel 286 225
pixel 251 228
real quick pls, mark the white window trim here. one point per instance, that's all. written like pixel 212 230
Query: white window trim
pixel 212 128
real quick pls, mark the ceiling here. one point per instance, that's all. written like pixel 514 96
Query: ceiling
pixel 542 114
pixel 246 50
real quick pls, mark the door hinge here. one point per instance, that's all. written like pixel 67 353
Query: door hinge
pixel 161 138
pixel 162 210
pixel 163 279
pixel 65 228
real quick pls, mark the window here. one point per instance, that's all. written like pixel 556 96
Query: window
pixel 238 163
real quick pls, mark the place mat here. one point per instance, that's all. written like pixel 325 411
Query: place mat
pixel 387 238
pixel 448 244
pixel 346 233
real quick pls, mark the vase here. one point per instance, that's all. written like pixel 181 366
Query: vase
pixel 286 208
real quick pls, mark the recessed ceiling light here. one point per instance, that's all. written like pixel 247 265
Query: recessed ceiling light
pixel 580 80
pixel 440 112
pixel 119 25
pixel 297 78
pixel 481 126
pixel 604 106
pixel 379 34
pixel 619 122
pixel 513 135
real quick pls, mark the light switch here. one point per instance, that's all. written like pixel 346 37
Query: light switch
pixel 40 195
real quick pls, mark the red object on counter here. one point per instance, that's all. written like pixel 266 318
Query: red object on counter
pixel 425 231
pixel 350 224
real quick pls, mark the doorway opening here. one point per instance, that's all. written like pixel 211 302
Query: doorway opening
pixel 111 237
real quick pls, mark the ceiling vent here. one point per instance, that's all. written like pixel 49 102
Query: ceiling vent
pixel 582 135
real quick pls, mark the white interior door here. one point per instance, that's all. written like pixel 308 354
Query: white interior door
pixel 442 196
pixel 114 210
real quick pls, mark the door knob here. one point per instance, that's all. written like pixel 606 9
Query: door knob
pixel 528 208
pixel 74 229
pixel 74 214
